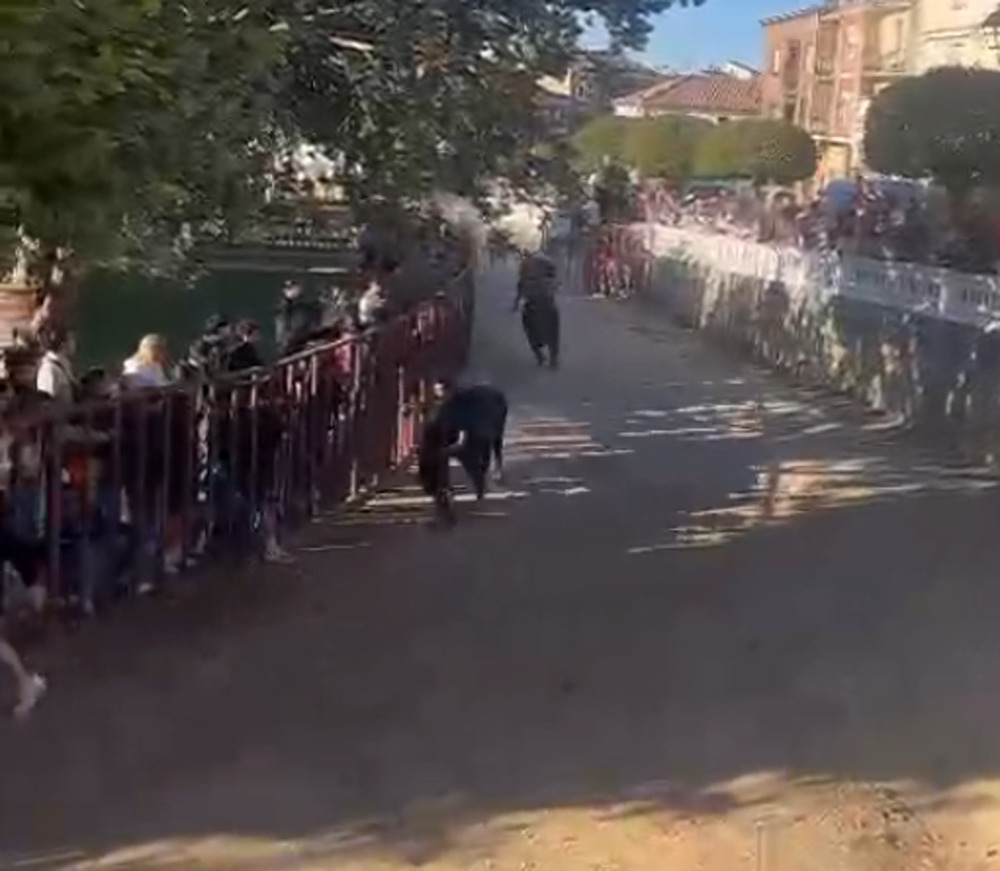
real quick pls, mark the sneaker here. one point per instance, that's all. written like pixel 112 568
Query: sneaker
pixel 274 553
pixel 31 694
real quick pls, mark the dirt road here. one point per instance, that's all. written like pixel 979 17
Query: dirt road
pixel 709 622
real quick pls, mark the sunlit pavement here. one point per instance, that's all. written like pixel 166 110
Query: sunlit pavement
pixel 707 622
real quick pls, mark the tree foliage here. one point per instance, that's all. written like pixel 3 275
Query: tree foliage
pixel 664 147
pixel 661 147
pixel 943 125
pixel 123 123
pixel 600 140
pixel 764 150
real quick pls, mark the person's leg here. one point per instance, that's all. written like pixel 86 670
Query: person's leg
pixel 554 337
pixel 529 320
pixel 30 686
pixel 273 551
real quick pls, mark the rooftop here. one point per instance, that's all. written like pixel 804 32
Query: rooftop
pixel 711 92
pixel 804 12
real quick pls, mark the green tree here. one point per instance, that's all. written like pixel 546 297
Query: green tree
pixel 600 140
pixel 122 124
pixel 764 150
pixel 663 147
pixel 943 125
pixel 778 152
pixel 436 92
pixel 721 153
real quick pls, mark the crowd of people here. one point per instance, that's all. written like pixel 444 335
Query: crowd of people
pixel 860 216
pixel 136 497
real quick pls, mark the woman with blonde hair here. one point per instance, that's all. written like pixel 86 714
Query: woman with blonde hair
pixel 147 366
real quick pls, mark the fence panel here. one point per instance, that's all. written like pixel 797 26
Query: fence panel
pixel 115 495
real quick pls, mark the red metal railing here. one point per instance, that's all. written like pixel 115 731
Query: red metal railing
pixel 617 262
pixel 122 491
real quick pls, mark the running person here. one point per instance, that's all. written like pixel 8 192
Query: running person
pixel 536 290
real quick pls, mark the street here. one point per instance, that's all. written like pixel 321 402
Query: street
pixel 708 621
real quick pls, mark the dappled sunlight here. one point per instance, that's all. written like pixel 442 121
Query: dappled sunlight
pixel 787 488
pixel 746 818
pixel 550 438
pixel 700 423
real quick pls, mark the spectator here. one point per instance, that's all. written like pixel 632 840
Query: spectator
pixel 245 355
pixel 373 307
pixel 297 320
pixel 209 355
pixel 30 686
pixel 55 372
pixel 147 366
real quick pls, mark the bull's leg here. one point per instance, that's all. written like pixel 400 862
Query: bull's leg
pixel 475 459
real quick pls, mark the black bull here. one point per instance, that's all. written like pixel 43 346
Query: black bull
pixel 481 442
pixel 541 327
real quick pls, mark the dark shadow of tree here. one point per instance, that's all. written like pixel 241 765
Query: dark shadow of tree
pixel 369 708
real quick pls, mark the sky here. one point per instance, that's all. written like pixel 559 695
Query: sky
pixel 720 30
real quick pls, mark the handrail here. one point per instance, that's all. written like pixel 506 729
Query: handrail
pixel 188 472
pixel 934 291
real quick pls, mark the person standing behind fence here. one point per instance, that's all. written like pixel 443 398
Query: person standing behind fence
pixel 246 353
pixel 297 320
pixel 55 371
pixel 147 366
pixel 374 304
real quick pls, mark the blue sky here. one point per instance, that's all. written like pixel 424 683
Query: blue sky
pixel 718 31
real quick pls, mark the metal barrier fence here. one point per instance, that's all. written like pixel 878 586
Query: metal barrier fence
pixel 114 495
pixel 944 294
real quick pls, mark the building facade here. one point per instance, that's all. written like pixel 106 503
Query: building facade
pixel 827 62
pixel 952 32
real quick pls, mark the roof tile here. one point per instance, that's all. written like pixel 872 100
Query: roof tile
pixel 699 92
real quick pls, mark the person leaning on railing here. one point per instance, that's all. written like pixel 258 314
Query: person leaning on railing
pixel 20 546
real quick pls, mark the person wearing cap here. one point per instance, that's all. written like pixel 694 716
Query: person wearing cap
pixel 297 319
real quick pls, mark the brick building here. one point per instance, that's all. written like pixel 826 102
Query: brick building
pixel 827 61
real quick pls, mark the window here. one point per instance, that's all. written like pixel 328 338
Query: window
pixel 776 62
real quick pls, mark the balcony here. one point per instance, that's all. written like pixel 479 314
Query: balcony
pixel 892 63
pixel 835 10
pixel 826 65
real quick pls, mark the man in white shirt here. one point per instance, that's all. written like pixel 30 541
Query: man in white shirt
pixel 55 372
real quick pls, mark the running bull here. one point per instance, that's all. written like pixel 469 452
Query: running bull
pixel 469 425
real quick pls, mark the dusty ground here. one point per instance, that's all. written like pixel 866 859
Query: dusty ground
pixel 710 622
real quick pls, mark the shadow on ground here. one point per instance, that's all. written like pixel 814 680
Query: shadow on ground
pixel 741 594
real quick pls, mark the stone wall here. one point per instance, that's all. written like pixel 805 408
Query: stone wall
pixel 914 342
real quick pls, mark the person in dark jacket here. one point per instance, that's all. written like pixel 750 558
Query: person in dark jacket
pixel 298 319
pixel 469 424
pixel 245 354
pixel 535 299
